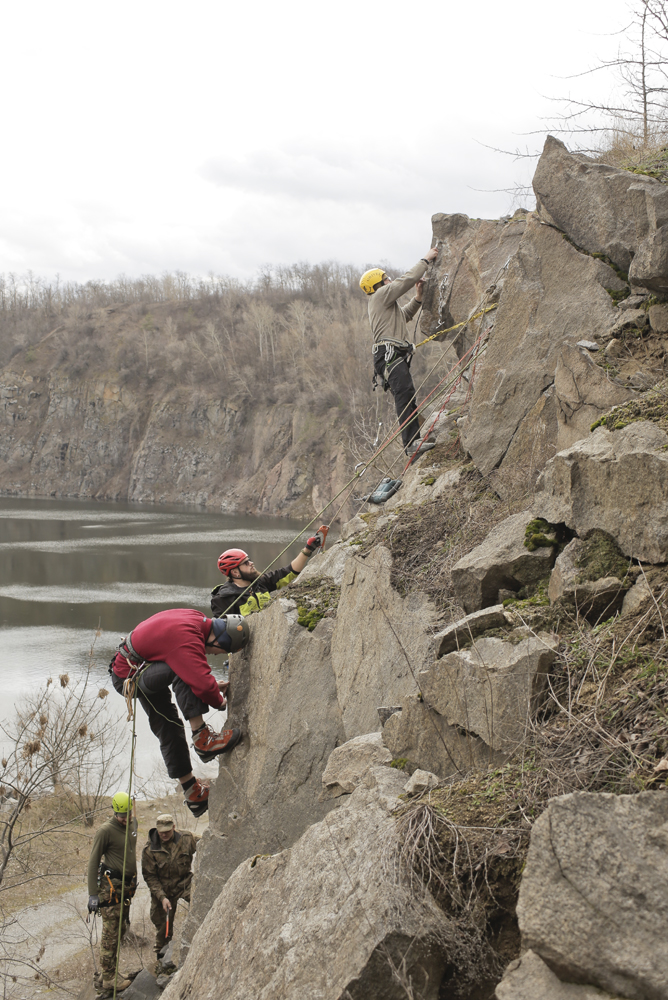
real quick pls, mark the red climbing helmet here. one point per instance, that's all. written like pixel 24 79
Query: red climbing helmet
pixel 230 559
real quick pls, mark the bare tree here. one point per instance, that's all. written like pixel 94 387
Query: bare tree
pixel 638 113
pixel 63 743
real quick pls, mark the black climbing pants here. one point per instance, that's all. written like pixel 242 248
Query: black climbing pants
pixel 156 700
pixel 402 388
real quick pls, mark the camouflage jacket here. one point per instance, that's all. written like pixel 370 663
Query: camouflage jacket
pixel 166 867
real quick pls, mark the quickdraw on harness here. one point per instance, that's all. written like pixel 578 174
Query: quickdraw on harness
pixel 395 351
pixel 114 893
pixel 136 665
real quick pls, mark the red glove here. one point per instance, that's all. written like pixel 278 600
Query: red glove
pixel 313 543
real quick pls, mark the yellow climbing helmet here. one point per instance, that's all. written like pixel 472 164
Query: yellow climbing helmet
pixel 371 278
pixel 121 802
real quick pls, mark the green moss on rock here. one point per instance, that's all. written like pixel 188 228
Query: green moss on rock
pixel 600 556
pixel 653 406
pixel 539 534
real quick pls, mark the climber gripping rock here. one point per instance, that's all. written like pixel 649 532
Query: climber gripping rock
pixel 247 590
pixel 166 653
pixel 392 351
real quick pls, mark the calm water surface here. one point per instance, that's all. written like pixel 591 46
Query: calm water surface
pixel 69 568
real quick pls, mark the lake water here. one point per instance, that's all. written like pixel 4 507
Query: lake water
pixel 69 569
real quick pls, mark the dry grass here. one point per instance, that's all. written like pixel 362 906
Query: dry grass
pixel 629 152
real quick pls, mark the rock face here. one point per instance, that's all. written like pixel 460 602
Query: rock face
pixel 492 688
pixel 268 789
pixel 95 438
pixel 348 764
pixel 594 599
pixel 529 978
pixel 380 640
pixel 594 896
pixel 650 265
pixel 317 920
pixel 500 562
pixel 552 296
pixel 616 481
pixel 583 393
pixel 297 695
pixel 472 254
pixel 601 208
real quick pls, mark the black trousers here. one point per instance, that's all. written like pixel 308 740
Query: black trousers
pixel 156 700
pixel 403 390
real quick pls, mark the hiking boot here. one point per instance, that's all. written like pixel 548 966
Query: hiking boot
pixel 121 984
pixel 197 798
pixel 208 744
pixel 419 447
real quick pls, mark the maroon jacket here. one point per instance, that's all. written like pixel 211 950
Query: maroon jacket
pixel 177 638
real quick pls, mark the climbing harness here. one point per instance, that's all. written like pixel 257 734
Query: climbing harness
pixel 114 898
pixel 137 666
pixel 395 352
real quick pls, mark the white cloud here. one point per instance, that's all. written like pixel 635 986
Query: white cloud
pixel 147 137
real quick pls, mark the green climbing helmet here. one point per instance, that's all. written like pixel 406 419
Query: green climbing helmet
pixel 121 802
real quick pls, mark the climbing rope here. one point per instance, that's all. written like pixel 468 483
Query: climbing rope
pixel 128 826
pixel 457 326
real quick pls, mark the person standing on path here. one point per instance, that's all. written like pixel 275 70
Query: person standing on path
pixel 168 651
pixel 392 351
pixel 166 864
pixel 236 597
pixel 114 852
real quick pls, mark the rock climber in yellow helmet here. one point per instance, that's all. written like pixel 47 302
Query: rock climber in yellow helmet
pixel 392 351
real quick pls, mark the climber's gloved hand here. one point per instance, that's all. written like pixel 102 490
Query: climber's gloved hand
pixel 313 544
pixel 93 904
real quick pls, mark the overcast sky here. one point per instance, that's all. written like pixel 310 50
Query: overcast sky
pixel 140 137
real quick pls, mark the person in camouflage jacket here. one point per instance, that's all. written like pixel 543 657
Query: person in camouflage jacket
pixel 166 865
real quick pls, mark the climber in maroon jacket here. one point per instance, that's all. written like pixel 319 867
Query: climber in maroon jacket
pixel 167 651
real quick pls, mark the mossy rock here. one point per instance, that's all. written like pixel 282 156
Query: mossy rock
pixel 618 296
pixel 652 406
pixel 600 556
pixel 539 534
pixel 399 763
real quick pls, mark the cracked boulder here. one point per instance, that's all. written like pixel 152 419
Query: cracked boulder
pixel 616 481
pixel 602 209
pixel 501 562
pixel 421 738
pixel 493 687
pixel 474 706
pixel 320 919
pixel 552 296
pixel 593 900
pixel 583 393
pixel 348 764
pixel 591 575
pixel 283 698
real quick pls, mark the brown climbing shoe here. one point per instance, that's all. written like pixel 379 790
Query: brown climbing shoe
pixel 197 797
pixel 121 984
pixel 208 744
